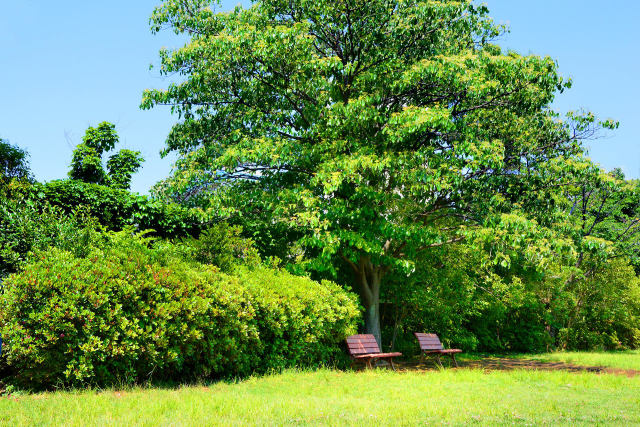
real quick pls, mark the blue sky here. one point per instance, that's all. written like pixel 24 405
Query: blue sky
pixel 71 64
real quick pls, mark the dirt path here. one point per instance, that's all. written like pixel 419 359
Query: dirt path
pixel 508 364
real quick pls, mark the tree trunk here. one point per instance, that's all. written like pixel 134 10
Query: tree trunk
pixel 369 277
pixel 372 321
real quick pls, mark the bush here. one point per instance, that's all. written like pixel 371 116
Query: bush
pixel 301 322
pixel 131 312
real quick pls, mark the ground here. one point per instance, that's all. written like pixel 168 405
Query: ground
pixel 475 394
pixel 620 363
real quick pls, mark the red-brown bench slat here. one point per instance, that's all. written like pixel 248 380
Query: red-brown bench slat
pixel 430 345
pixel 395 354
pixel 362 344
pixel 362 337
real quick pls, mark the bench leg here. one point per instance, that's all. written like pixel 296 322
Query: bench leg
pixel 453 357
pixel 392 365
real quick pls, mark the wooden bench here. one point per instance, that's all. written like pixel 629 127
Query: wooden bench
pixel 430 345
pixel 364 349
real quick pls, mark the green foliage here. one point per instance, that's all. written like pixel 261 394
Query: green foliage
pixel 86 164
pixel 476 303
pixel 604 207
pixel 440 297
pixel 302 323
pixel 132 312
pixel 604 310
pixel 61 214
pixel 28 223
pixel 117 208
pixel 223 246
pixel 102 138
pixel 121 167
pixel 14 162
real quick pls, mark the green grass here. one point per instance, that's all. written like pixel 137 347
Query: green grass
pixel 352 398
pixel 620 360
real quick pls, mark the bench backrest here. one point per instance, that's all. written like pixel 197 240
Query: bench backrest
pixel 362 344
pixel 428 341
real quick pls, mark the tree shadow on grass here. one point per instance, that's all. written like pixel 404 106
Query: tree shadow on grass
pixel 497 363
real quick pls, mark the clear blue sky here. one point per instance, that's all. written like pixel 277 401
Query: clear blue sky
pixel 67 65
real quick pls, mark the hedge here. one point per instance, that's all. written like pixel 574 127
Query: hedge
pixel 130 312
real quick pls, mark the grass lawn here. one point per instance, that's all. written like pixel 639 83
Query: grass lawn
pixel 355 398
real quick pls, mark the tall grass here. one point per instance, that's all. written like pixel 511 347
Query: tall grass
pixel 353 398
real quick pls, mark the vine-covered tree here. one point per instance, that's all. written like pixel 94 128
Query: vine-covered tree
pixel 377 129
pixel 121 167
pixel 86 164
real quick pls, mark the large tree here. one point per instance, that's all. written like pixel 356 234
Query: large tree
pixel 377 129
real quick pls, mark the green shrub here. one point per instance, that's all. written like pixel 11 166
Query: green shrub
pixel 131 312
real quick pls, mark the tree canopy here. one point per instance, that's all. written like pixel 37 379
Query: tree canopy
pixel 377 129
pixel 14 162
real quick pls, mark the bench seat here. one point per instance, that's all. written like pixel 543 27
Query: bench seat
pixel 444 351
pixel 377 355
pixel 430 345
pixel 364 348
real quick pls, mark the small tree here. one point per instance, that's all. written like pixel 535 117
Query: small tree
pixel 377 129
pixel 87 166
